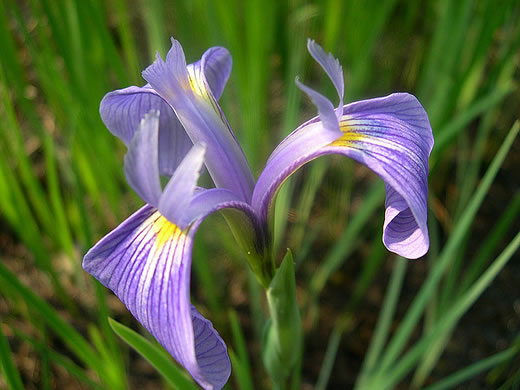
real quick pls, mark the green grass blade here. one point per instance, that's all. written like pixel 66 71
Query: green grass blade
pixel 61 360
pixel 11 374
pixel 346 243
pixel 243 369
pixel 476 368
pixel 396 372
pixel 240 372
pixel 329 359
pixel 155 355
pixel 496 235
pixel 447 133
pixel 384 322
pixel 66 332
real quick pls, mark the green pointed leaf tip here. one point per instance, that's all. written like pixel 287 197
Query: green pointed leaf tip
pixel 158 358
pixel 283 333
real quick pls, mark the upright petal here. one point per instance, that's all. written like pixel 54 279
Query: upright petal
pixel 325 129
pixel 328 118
pixel 142 160
pixel 332 67
pixel 390 135
pixel 176 198
pixel 189 95
pixel 122 111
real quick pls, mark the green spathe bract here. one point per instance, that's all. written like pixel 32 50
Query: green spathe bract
pixel 283 333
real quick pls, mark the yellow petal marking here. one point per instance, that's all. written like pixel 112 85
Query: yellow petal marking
pixel 163 229
pixel 348 137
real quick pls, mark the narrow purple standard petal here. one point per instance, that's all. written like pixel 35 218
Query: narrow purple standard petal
pixel 189 94
pixel 390 135
pixel 332 67
pixel 326 111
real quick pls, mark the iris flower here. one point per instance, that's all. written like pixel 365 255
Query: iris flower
pixel 173 126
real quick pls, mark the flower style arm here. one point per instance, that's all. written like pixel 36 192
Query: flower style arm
pixel 146 261
pixel 390 135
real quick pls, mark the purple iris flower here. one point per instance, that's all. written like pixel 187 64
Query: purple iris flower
pixel 173 126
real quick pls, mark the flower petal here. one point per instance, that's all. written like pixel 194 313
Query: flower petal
pixel 122 111
pixel 215 67
pixel 390 135
pixel 142 162
pixel 326 112
pixel 192 100
pixel 146 262
pixel 332 67
pixel 175 200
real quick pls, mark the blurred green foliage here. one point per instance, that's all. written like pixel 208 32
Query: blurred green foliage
pixel 62 185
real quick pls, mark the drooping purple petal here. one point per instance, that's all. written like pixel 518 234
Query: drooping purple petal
pixel 332 67
pixel 390 135
pixel 177 195
pixel 146 262
pixel 122 111
pixel 142 161
pixel 203 120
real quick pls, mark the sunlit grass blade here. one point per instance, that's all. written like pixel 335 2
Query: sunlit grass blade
pixel 127 39
pixel 155 355
pixel 482 258
pixel 448 132
pixel 384 323
pixel 240 361
pixel 61 360
pixel 153 13
pixel 328 360
pixel 240 372
pixel 346 243
pixel 62 328
pixel 15 146
pixel 469 372
pixel 11 374
pixel 397 371
pixel 360 39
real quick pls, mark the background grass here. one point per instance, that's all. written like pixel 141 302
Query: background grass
pixel 415 323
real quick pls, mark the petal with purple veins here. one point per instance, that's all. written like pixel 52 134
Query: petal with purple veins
pixel 213 70
pixel 390 135
pixel 193 102
pixel 146 262
pixel 142 161
pixel 122 111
